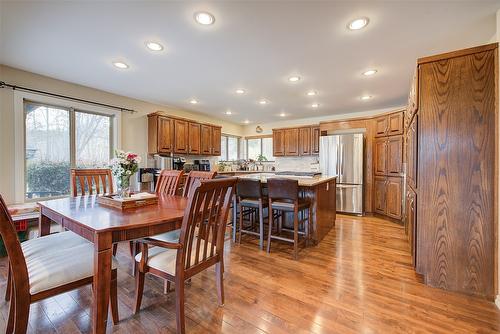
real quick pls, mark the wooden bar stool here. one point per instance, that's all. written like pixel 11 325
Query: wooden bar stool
pixel 251 199
pixel 284 197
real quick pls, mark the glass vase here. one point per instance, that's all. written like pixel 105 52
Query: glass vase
pixel 124 186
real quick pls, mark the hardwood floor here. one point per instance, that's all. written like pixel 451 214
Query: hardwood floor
pixel 358 280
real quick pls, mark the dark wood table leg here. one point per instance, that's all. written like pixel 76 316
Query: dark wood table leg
pixel 235 214
pixel 102 281
pixel 43 225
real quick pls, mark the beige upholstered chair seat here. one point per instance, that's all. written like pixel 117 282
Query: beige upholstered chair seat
pixel 60 266
pixel 52 242
pixel 164 259
pixel 172 236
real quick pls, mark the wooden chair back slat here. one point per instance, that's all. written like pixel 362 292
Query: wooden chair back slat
pixel 204 223
pixel 90 180
pixel 168 182
pixel 196 175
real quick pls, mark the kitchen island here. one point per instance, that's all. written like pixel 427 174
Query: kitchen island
pixel 321 190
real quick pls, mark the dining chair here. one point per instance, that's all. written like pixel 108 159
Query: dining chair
pixel 200 246
pixel 38 274
pixel 168 182
pixel 196 175
pixel 98 181
pixel 284 197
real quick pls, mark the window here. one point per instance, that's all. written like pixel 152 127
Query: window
pixel 229 148
pixel 58 139
pixel 258 146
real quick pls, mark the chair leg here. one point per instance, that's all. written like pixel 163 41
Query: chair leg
pixel 12 310
pixel 8 287
pixel 219 272
pixel 21 314
pixel 115 249
pixel 271 221
pixel 131 246
pixel 167 286
pixel 179 305
pixel 241 223
pixel 261 226
pixel 295 233
pixel 113 296
pixel 139 289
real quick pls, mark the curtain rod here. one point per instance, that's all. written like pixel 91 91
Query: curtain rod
pixel 14 87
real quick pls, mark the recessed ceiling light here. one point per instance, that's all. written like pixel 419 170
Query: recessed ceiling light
pixel 369 72
pixel 193 101
pixel 240 91
pixel 282 114
pixel 312 93
pixel 315 105
pixel 263 102
pixel 204 18
pixel 153 46
pixel 120 65
pixel 229 112
pixel 246 121
pixel 366 97
pixel 359 23
pixel 294 78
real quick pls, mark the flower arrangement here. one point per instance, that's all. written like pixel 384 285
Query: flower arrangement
pixel 123 166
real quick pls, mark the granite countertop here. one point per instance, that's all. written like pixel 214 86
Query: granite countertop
pixel 303 180
pixel 242 172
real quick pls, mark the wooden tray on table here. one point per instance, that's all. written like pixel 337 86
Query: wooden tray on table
pixel 135 201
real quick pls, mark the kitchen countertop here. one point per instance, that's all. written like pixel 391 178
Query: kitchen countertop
pixel 243 172
pixel 303 180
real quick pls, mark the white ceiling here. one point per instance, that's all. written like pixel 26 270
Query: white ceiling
pixel 253 45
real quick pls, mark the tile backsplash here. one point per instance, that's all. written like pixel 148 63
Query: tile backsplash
pixel 297 164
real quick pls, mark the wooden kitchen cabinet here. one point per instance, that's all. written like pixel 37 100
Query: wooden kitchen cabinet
pixel 394 155
pixel 278 143
pixel 194 134
pixel 380 156
pixel 380 194
pixel 160 135
pixel 381 126
pixel 316 134
pixel 412 98
pixel 412 153
pixel 389 125
pixel 206 139
pixel 291 142
pixel 181 135
pixel 393 206
pixel 216 139
pixel 410 224
pixel 305 139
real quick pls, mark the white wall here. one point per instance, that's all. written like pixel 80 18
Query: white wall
pixel 134 126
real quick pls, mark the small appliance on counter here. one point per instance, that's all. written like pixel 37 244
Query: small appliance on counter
pixel 203 165
pixel 146 179
pixel 178 163
pixel 162 162
pixel 190 167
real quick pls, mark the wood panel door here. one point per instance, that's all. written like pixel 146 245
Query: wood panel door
pixel 413 97
pixel 206 139
pixel 165 135
pixel 395 124
pixel 216 139
pixel 305 138
pixel 194 138
pixel 380 194
pixel 394 189
pixel 291 142
pixel 381 126
pixel 412 153
pixel 316 134
pixel 456 171
pixel 380 156
pixel 278 143
pixel 410 224
pixel 181 136
pixel 394 153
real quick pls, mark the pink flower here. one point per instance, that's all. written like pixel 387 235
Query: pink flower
pixel 131 156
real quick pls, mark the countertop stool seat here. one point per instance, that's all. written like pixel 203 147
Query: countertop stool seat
pixel 251 200
pixel 284 198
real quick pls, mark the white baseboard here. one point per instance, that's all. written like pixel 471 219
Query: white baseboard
pixel 497 301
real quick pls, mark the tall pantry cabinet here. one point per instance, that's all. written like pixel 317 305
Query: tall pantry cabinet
pixel 450 174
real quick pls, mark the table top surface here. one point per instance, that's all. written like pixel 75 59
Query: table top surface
pixel 304 181
pixel 85 210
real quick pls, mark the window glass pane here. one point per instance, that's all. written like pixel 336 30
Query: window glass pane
pixel 47 151
pixel 232 148
pixel 267 148
pixel 253 148
pixel 223 148
pixel 92 135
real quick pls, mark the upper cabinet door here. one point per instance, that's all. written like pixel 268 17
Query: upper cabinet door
pixel 395 124
pixel 412 153
pixel 381 125
pixel 165 135
pixel 394 155
pixel 315 133
pixel 194 138
pixel 380 156
pixel 305 141
pixel 181 143
pixel 291 142
pixel 278 143
pixel 413 96
pixel 206 140
pixel 216 138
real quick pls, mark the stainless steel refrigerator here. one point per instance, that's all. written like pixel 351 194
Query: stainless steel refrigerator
pixel 341 155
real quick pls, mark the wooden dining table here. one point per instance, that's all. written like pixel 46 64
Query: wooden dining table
pixel 104 226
